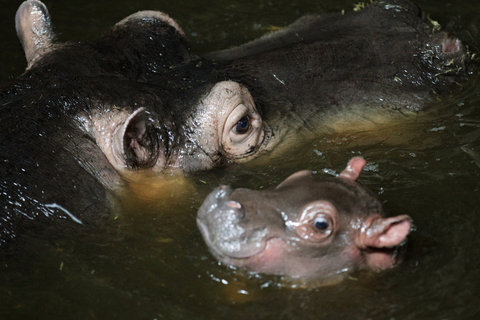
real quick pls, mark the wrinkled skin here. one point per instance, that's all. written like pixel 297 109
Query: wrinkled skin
pixel 307 228
pixel 85 114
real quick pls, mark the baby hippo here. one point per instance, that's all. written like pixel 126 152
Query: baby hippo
pixel 308 228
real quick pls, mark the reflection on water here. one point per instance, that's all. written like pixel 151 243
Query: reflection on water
pixel 149 262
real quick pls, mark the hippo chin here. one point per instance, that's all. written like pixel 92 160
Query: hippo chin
pixel 309 227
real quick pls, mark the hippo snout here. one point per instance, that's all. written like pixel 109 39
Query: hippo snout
pixel 221 222
pixel 218 210
pixel 213 200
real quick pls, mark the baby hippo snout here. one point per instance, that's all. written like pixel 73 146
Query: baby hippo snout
pixel 220 221
pixel 218 206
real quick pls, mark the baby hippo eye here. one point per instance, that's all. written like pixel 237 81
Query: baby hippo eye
pixel 316 222
pixel 243 125
pixel 321 224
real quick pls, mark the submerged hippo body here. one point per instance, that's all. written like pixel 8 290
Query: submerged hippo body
pixel 307 228
pixel 137 98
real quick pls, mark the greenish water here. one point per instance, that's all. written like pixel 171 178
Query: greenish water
pixel 151 263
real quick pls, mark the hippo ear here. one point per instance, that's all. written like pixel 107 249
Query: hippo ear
pixel 384 232
pixel 294 176
pixel 353 169
pixel 34 29
pixel 136 142
pixel 150 16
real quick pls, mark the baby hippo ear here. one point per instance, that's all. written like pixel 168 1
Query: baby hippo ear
pixel 34 29
pixel 353 169
pixel 293 177
pixel 136 142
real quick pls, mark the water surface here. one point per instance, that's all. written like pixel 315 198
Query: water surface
pixel 150 262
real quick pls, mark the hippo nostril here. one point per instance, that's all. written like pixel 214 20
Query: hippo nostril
pixel 236 208
pixel 234 204
pixel 450 45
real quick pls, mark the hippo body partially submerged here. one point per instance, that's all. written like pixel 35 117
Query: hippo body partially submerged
pixel 308 228
pixel 137 98
pixel 382 57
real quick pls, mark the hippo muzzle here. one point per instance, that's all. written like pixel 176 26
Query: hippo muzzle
pixel 225 227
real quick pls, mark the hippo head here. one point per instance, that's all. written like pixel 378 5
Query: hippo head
pixel 140 94
pixel 222 125
pixel 308 227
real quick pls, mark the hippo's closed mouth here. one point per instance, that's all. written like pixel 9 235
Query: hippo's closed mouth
pixel 265 251
pixel 232 251
pixel 379 259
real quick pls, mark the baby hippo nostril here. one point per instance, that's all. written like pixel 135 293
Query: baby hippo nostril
pixel 234 204
pixel 450 45
pixel 236 209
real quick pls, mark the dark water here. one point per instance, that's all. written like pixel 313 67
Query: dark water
pixel 150 261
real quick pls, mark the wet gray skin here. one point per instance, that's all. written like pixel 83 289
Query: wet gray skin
pixel 74 100
pixel 83 114
pixel 360 66
pixel 307 228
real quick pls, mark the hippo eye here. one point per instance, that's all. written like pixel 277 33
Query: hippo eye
pixel 321 224
pixel 316 222
pixel 243 125
pixel 239 125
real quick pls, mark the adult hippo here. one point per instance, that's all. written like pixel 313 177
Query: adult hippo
pixel 309 228
pixel 137 98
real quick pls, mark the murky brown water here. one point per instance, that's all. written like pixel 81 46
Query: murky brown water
pixel 150 261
